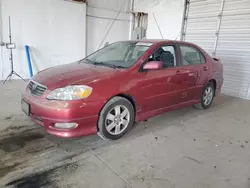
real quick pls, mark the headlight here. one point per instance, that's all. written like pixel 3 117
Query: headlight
pixel 70 93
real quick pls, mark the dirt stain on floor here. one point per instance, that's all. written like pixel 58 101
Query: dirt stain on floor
pixel 7 169
pixel 14 128
pixel 19 145
pixel 16 142
pixel 47 178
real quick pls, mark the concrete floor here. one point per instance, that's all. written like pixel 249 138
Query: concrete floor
pixel 187 148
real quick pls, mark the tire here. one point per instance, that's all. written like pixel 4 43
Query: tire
pixel 111 121
pixel 203 103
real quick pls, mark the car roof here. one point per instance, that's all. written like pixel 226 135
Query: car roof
pixel 155 41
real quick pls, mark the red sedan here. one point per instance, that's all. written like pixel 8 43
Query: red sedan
pixel 123 83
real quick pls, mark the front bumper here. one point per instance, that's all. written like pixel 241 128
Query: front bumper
pixel 48 112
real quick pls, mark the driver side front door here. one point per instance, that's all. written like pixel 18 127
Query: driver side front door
pixel 160 88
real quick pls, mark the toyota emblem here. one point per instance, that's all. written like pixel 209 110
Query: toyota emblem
pixel 34 86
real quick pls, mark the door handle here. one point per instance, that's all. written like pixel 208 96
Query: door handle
pixel 205 68
pixel 191 74
pixel 178 72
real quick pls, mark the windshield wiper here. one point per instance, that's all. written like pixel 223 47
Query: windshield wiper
pixel 120 67
pixel 108 65
pixel 101 63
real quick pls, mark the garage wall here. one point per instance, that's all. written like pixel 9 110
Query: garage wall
pixel 202 23
pixel 222 28
pixel 107 21
pixel 234 47
pixel 168 14
pixel 54 29
pixel 1 49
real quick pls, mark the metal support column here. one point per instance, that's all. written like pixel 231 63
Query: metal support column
pixel 218 27
pixel 185 20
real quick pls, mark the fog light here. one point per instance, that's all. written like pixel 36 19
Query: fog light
pixel 65 125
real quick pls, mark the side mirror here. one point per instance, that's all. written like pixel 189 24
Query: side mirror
pixel 153 65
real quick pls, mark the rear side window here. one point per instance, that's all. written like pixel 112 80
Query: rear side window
pixel 191 56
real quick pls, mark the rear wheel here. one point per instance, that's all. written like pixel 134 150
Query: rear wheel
pixel 207 96
pixel 116 119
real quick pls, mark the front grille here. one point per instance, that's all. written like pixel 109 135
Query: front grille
pixel 36 88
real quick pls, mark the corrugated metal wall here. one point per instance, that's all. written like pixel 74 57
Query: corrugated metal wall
pixel 202 23
pixel 229 20
pixel 234 47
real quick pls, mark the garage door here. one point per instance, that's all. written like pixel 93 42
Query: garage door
pixel 222 28
pixel 234 47
pixel 202 22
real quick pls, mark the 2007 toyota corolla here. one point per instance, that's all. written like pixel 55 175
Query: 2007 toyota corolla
pixel 123 83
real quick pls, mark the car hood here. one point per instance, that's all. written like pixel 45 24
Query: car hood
pixel 74 73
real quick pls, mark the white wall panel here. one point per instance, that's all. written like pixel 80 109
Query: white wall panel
pixel 123 5
pixel 102 28
pixel 1 48
pixel 168 14
pixel 234 47
pixel 54 29
pixel 202 23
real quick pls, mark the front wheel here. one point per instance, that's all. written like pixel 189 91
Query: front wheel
pixel 207 96
pixel 116 119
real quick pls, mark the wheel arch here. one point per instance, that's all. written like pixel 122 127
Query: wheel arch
pixel 123 95
pixel 129 98
pixel 214 83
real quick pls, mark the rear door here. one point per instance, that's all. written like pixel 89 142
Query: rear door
pixel 193 71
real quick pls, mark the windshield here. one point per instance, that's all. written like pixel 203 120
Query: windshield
pixel 119 54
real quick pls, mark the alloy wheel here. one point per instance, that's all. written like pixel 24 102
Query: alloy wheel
pixel 208 96
pixel 117 120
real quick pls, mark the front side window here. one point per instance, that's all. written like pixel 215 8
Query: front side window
pixel 191 56
pixel 166 54
pixel 119 54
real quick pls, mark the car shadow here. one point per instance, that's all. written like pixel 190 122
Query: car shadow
pixel 176 117
pixel 171 118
